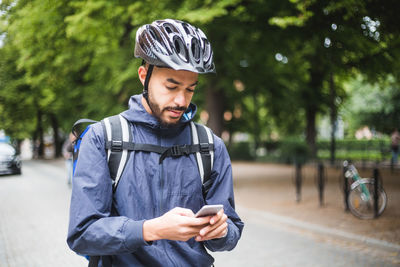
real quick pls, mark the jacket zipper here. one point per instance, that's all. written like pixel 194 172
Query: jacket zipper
pixel 161 172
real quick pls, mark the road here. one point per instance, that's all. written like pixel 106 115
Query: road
pixel 34 221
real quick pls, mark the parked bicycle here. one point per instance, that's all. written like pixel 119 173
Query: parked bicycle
pixel 366 198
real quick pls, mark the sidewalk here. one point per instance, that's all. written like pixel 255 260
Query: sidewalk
pixel 269 188
pixel 278 231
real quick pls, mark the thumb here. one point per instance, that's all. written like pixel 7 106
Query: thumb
pixel 183 212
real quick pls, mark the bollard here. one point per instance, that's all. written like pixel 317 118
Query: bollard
pixel 376 187
pixel 392 165
pixel 298 182
pixel 345 188
pixel 321 183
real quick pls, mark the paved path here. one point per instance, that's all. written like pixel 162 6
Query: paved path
pixel 34 216
pixel 272 240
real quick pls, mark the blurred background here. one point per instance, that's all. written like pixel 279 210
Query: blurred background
pixel 289 73
pixel 299 82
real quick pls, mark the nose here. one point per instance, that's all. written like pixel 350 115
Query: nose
pixel 180 99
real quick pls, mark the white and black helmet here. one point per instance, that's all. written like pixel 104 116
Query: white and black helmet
pixel 174 44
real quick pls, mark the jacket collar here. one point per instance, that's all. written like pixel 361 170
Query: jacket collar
pixel 138 114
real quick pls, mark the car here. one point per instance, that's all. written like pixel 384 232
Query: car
pixel 10 161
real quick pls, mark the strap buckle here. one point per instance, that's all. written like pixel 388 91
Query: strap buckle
pixel 204 148
pixel 177 151
pixel 116 146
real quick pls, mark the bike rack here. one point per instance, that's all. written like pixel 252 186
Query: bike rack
pixel 321 183
pixel 298 181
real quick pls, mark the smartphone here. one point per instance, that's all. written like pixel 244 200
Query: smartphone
pixel 209 210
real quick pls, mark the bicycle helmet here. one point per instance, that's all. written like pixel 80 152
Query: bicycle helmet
pixel 174 44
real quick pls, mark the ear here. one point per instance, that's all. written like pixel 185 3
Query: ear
pixel 142 71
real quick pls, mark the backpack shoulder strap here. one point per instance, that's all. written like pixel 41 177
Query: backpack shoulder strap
pixel 116 131
pixel 203 136
pixel 79 130
pixel 75 127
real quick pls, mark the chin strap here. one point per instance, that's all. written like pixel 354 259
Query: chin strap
pixel 146 84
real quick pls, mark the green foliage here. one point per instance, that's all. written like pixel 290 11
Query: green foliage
pixel 294 150
pixel 302 7
pixel 353 149
pixel 375 105
pixel 241 151
pixel 76 57
pixel 349 144
pixel 205 11
pixel 17 112
pixel 274 59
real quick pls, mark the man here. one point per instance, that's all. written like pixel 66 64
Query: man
pixel 394 145
pixel 149 219
pixel 67 150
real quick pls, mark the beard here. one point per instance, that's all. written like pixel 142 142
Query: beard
pixel 158 112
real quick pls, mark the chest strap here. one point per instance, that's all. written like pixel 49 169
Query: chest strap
pixel 173 151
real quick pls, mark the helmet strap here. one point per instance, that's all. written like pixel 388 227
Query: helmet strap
pixel 146 85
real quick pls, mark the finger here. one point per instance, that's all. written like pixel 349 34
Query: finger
pixel 218 232
pixel 214 226
pixel 217 217
pixel 217 222
pixel 199 222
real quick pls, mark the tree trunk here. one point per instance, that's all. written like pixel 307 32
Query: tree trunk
pixel 18 145
pixel 333 118
pixel 215 108
pixel 39 130
pixel 311 132
pixel 313 98
pixel 56 136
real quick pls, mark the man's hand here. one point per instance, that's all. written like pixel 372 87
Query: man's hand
pixel 217 228
pixel 177 224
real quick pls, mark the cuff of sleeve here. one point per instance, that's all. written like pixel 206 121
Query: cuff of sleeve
pixel 133 230
pixel 217 243
pixel 223 243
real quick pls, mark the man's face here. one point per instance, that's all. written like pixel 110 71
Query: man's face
pixel 170 93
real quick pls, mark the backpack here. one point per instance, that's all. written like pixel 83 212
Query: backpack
pixel 119 143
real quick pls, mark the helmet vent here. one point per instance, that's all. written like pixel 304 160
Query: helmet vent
pixel 207 50
pixel 154 34
pixel 195 50
pixel 177 46
pixel 168 29
pixel 180 48
pixel 185 27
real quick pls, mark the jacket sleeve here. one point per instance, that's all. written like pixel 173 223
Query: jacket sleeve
pixel 221 192
pixel 92 229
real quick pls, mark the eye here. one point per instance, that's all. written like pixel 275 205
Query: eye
pixel 171 87
pixel 190 90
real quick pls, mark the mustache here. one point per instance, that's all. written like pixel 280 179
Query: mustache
pixel 178 108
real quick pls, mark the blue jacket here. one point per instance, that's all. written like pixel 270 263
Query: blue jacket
pixel 107 223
